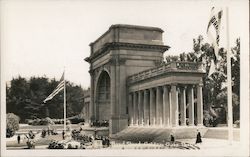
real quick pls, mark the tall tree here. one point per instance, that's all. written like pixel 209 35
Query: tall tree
pixel 25 98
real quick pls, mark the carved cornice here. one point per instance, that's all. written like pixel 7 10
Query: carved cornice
pixel 127 46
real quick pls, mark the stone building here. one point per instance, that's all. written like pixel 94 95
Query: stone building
pixel 131 85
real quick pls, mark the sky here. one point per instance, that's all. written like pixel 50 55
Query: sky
pixel 41 37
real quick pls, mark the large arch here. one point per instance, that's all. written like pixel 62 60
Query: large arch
pixel 103 92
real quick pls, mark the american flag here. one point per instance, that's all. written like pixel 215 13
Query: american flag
pixel 215 21
pixel 59 87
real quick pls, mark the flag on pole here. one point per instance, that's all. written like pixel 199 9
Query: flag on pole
pixel 58 88
pixel 214 24
pixel 212 68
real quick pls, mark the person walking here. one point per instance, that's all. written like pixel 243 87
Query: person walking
pixel 63 133
pixel 198 137
pixel 172 138
pixel 18 139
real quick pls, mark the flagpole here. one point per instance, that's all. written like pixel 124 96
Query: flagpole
pixel 229 84
pixel 64 103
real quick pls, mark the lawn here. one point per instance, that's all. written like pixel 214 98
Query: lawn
pixel 39 141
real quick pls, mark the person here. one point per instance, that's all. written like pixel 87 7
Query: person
pixel 172 138
pixel 48 130
pixel 18 139
pixel 63 133
pixel 95 135
pixel 198 138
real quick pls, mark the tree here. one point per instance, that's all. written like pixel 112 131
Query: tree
pixel 25 98
pixel 236 67
pixel 12 124
pixel 17 95
pixel 172 58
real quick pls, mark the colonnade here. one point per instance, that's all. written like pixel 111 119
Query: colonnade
pixel 159 106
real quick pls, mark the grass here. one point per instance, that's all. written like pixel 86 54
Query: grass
pixel 41 141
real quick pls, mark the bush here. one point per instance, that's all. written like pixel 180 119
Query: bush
pixel 58 121
pixel 12 124
pixel 44 121
pixel 76 120
pixel 28 121
pixel 31 144
pixel 103 123
pixel 55 145
pixel 209 120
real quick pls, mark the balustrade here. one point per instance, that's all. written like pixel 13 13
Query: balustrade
pixel 171 66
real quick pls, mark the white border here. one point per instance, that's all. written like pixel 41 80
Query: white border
pixel 244 113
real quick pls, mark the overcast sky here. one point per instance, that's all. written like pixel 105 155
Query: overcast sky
pixel 40 37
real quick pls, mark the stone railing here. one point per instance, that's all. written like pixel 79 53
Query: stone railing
pixel 168 67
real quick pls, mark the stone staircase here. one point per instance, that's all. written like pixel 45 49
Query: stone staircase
pixel 222 133
pixel 157 134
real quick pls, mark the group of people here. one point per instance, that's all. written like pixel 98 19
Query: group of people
pixel 76 135
pixel 48 132
pixel 105 140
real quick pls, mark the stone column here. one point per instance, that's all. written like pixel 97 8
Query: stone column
pixel 146 107
pixel 113 101
pixel 92 90
pixel 135 107
pixel 140 108
pixel 191 106
pixel 183 106
pixel 166 107
pixel 152 107
pixel 199 105
pixel 159 101
pixel 174 106
pixel 130 108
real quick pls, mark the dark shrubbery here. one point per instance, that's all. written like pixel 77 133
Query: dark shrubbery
pixel 209 120
pixel 31 144
pixel 44 121
pixel 58 121
pixel 12 124
pixel 47 121
pixel 76 135
pixel 77 120
pixel 55 145
pixel 97 123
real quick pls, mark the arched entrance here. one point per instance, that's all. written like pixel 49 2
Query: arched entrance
pixel 103 106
